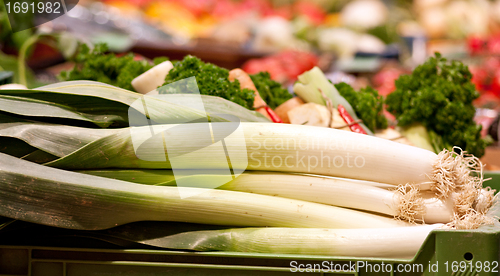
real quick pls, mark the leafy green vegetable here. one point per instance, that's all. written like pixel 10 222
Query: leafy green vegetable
pixel 271 91
pixel 107 68
pixel 438 95
pixel 367 104
pixel 211 80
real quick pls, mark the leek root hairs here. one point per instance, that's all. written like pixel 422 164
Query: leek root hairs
pixel 453 172
pixel 464 200
pixel 410 204
pixel 485 200
pixel 471 206
pixel 470 220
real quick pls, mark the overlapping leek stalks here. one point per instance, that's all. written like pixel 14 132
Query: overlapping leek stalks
pixel 55 127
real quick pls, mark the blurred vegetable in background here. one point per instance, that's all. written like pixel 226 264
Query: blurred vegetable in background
pixel 364 14
pixel 455 19
pixel 283 67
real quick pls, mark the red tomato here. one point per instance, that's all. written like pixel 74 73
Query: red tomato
pixel 389 116
pixel 492 64
pixel 487 99
pixel 307 60
pixel 311 10
pixel 475 44
pixel 275 69
pixel 283 11
pixel 495 84
pixel 225 9
pixel 494 45
pixel 479 77
pixel 283 67
pixel 385 80
pixel 260 6
pixel 293 69
pixel 253 66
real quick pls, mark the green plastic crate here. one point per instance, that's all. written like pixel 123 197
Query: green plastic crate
pixel 445 252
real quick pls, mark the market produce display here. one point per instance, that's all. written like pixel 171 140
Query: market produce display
pixel 218 131
pixel 69 159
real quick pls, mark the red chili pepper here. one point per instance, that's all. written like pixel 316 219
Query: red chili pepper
pixel 274 117
pixel 355 127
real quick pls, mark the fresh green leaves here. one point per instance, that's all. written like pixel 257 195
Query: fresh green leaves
pixel 107 68
pixel 211 80
pixel 271 91
pixel 439 94
pixel 367 104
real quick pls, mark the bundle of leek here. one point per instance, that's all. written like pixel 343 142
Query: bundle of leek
pixel 297 176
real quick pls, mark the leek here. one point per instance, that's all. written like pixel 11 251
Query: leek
pixel 287 148
pixel 398 242
pixel 105 105
pixel 271 147
pixel 349 193
pixel 39 194
pixel 402 203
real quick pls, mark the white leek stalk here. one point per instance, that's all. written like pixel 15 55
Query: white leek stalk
pixel 49 196
pixel 399 242
pixel 406 202
pixel 276 147
pixel 323 151
pixel 361 195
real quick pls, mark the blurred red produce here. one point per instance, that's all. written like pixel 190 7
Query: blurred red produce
pixel 283 67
